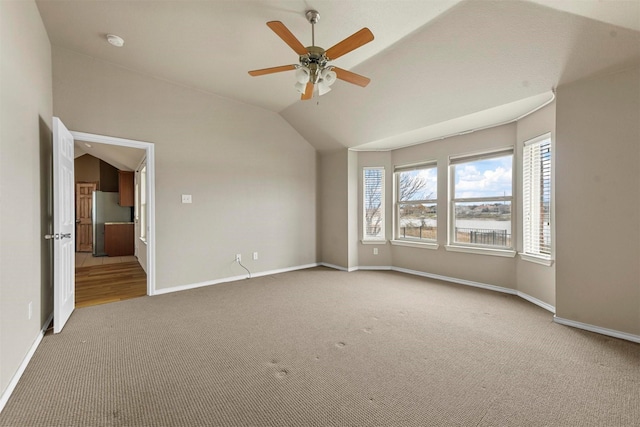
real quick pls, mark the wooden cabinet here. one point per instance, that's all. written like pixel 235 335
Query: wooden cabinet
pixel 125 188
pixel 118 239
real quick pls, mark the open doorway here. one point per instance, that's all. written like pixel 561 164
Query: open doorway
pixel 114 208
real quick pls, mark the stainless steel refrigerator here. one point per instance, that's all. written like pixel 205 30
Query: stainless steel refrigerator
pixel 106 209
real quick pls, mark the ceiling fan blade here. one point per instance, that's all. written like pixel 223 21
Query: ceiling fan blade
pixel 272 70
pixel 350 77
pixel 308 92
pixel 287 36
pixel 352 42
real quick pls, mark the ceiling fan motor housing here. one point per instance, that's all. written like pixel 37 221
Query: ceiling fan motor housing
pixel 315 60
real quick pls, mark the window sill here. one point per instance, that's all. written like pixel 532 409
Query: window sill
pixel 538 260
pixel 374 242
pixel 509 253
pixel 421 245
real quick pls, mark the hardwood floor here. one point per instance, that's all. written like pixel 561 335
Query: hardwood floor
pixel 109 282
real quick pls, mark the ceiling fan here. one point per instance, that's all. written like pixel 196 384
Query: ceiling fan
pixel 313 70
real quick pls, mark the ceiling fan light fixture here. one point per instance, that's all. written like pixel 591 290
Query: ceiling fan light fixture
pixel 323 88
pixel 301 87
pixel 302 75
pixel 328 76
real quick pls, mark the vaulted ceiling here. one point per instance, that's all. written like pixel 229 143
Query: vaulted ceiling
pixel 437 67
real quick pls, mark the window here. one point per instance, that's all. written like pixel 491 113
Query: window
pixel 416 202
pixel 536 197
pixel 373 204
pixel 481 199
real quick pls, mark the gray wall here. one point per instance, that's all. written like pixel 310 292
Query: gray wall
pixel 532 279
pixel 252 177
pixel 25 182
pixel 333 227
pixel 598 201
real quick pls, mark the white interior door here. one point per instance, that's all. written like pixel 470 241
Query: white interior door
pixel 63 226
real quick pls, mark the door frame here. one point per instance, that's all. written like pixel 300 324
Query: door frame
pixel 151 194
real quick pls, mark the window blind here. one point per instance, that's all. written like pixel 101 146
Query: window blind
pixel 537 197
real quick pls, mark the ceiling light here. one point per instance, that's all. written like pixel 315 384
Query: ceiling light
pixel 86 144
pixel 115 40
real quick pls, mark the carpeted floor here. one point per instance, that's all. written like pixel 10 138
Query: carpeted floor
pixel 326 348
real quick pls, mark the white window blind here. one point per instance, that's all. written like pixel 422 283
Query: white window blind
pixel 373 203
pixel 536 194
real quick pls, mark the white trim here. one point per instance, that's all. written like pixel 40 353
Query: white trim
pixel 375 268
pixel 537 302
pixel 537 259
pixel 16 377
pixel 337 267
pixel 509 253
pixel 597 329
pixel 374 242
pixel 411 244
pixel 535 139
pixel 458 281
pixel 230 279
pixel 149 147
pixel 495 288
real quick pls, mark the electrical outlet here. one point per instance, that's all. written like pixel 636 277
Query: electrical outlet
pixel 238 258
pixel 30 310
pixel 255 256
pixel 375 251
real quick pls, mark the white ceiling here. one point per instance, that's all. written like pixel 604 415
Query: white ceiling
pixel 437 67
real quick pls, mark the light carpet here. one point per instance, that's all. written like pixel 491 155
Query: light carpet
pixel 321 347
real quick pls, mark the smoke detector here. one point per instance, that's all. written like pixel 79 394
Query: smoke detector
pixel 114 40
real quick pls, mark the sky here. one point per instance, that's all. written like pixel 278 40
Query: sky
pixel 484 178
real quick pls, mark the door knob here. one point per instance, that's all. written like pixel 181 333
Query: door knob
pixel 52 236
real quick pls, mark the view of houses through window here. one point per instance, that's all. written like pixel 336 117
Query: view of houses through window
pixel 417 202
pixel 481 199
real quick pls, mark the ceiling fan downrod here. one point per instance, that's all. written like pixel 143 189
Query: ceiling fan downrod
pixel 313 16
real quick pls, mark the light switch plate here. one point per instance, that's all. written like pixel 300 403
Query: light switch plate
pixel 186 198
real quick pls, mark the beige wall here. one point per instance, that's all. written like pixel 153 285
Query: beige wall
pixel 333 227
pixel 87 169
pixel 25 182
pixel 533 279
pixel 492 270
pixel 352 208
pixel 598 201
pixel 252 177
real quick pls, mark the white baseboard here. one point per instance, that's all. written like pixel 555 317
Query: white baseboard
pixel 597 329
pixel 458 281
pixel 337 267
pixel 231 279
pixel 375 267
pixel 16 377
pixel 537 302
pixel 495 288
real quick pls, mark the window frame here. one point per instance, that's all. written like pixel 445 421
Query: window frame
pixel 143 202
pixel 398 239
pixel 382 235
pixel 543 141
pixel 480 248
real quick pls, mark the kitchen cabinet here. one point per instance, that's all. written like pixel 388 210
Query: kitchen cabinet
pixel 125 188
pixel 118 238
